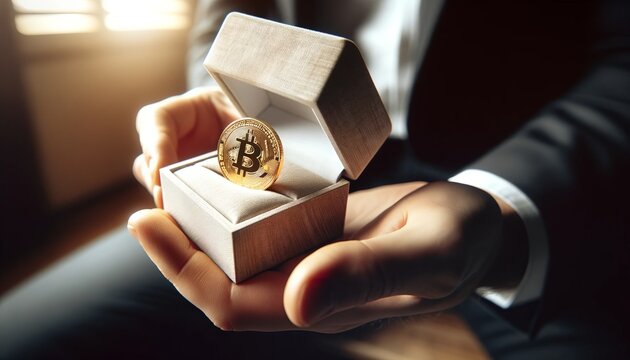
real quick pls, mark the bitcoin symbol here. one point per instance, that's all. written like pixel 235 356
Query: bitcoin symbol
pixel 247 161
pixel 250 153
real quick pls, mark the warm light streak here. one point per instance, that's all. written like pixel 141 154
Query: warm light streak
pixel 40 24
pixel 133 22
pixel 40 17
pixel 54 6
pixel 135 7
pixel 130 15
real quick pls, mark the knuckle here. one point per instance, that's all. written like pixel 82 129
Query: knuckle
pixel 144 113
pixel 152 116
pixel 162 142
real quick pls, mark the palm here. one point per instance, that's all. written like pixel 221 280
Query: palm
pixel 256 303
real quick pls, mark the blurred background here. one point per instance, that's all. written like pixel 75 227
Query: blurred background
pixel 73 75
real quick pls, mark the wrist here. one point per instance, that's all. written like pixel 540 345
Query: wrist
pixel 512 256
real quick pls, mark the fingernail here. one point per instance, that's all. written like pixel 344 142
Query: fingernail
pixel 132 230
pixel 131 225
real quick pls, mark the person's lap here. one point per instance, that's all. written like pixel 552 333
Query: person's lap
pixel 109 299
pixel 577 333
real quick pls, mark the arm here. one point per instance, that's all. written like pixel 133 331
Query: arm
pixel 412 248
pixel 572 160
pixel 421 250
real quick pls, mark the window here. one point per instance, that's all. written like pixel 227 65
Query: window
pixel 47 17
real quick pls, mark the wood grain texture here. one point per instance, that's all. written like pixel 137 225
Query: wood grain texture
pixel 324 72
pixel 290 230
pixel 263 241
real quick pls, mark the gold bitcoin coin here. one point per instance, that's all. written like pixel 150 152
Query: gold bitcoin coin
pixel 250 153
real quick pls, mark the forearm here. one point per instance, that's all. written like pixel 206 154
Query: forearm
pixel 572 160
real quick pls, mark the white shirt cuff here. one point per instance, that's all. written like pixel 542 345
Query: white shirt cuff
pixel 531 285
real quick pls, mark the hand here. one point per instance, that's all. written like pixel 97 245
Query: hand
pixel 415 248
pixel 178 128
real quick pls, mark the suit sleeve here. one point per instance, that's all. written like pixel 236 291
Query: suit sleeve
pixel 573 161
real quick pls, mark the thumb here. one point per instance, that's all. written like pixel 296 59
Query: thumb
pixel 350 273
pixel 334 278
pixel 408 250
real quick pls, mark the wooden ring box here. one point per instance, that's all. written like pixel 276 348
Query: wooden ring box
pixel 316 92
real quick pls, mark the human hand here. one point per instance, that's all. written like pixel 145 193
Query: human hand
pixel 414 249
pixel 425 253
pixel 178 128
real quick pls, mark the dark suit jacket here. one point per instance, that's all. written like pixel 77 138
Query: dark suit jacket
pixel 538 93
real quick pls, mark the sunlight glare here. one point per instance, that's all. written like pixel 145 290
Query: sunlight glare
pixel 133 15
pixel 145 6
pixel 54 6
pixel 133 22
pixel 41 24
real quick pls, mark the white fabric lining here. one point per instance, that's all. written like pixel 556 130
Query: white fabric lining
pixel 237 203
pixel 303 139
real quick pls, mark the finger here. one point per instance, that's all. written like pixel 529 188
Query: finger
pixel 158 133
pixel 332 279
pixel 385 308
pixel 406 250
pixel 194 275
pixel 141 172
pixel 157 196
pixel 213 113
pixel 255 304
pixel 390 307
pixel 182 126
pixel 434 243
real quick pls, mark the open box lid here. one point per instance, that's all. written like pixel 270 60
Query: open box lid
pixel 313 88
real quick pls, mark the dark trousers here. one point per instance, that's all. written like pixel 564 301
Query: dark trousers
pixel 108 300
